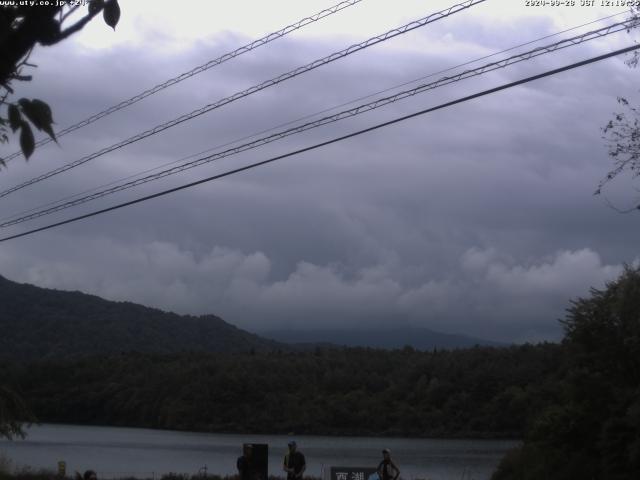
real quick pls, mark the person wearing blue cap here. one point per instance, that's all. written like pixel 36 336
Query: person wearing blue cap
pixel 294 462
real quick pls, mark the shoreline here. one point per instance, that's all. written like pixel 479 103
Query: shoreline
pixel 48 474
pixel 398 436
pixel 149 454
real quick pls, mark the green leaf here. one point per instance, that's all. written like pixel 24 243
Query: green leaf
pixel 111 13
pixel 95 6
pixel 40 115
pixel 14 117
pixel 30 112
pixel 50 132
pixel 27 142
pixel 27 109
pixel 42 110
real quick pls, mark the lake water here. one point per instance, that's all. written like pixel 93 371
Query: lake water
pixel 115 452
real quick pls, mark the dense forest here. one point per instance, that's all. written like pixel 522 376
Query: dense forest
pixel 591 427
pixel 482 391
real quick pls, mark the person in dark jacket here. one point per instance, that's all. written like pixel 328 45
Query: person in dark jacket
pixel 387 470
pixel 245 463
pixel 294 462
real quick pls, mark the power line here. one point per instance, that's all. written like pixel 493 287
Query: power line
pixel 329 142
pixel 569 42
pixel 199 69
pixel 305 117
pixel 291 122
pixel 256 88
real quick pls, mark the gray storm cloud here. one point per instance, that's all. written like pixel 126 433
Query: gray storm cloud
pixel 477 219
pixel 484 290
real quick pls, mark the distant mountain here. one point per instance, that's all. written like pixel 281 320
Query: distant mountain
pixel 42 323
pixel 38 323
pixel 388 338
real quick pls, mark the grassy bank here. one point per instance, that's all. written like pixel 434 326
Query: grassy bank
pixel 29 474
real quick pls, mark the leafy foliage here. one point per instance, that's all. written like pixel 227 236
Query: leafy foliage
pixel 111 13
pixel 622 132
pixel 13 412
pixel 593 429
pixel 22 27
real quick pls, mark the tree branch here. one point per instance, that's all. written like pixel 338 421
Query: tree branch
pixel 79 25
pixel 63 17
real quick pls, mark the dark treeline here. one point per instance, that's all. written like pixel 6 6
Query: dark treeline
pixel 482 392
pixel 591 428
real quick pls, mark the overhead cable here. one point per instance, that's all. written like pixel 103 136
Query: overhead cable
pixel 256 88
pixel 199 69
pixel 328 142
pixel 569 42
pixel 299 119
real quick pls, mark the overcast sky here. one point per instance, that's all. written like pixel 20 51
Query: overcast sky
pixel 477 219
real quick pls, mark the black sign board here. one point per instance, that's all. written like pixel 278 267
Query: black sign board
pixel 256 461
pixel 353 473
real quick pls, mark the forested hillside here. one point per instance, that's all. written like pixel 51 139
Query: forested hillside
pixel 43 323
pixel 591 426
pixel 476 392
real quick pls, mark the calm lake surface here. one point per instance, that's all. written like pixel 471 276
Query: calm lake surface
pixel 144 453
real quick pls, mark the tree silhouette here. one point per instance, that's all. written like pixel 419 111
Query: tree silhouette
pixel 622 132
pixel 22 28
pixel 592 430
pixel 13 413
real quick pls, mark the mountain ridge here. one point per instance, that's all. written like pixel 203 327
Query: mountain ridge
pixel 41 323
pixel 45 323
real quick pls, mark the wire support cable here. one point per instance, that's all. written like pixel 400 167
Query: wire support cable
pixel 199 69
pixel 256 88
pixel 328 142
pixel 305 117
pixel 569 42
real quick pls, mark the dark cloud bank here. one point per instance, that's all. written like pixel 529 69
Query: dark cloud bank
pixel 478 219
